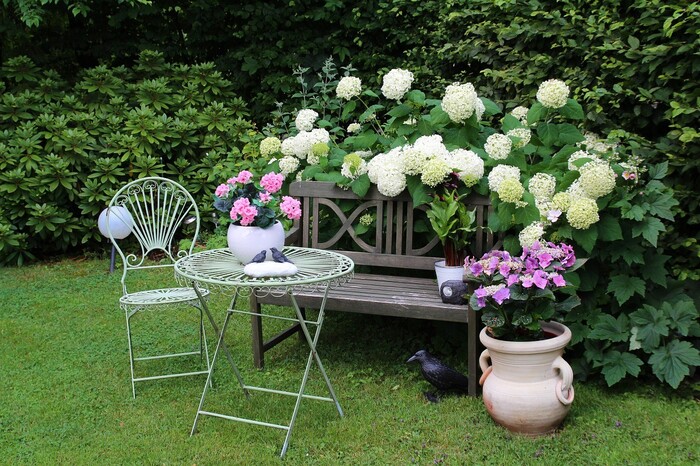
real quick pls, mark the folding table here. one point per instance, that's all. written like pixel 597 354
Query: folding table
pixel 219 269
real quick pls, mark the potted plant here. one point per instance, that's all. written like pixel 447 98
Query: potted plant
pixel 453 223
pixel 253 210
pixel 527 386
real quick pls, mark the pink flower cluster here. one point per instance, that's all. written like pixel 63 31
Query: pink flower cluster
pixel 242 208
pixel 539 266
pixel 272 182
pixel 291 207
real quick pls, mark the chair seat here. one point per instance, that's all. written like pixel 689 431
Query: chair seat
pixel 161 296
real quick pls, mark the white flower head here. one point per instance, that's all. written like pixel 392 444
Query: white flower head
pixel 523 135
pixel 542 186
pixel 353 166
pixel 269 146
pixel 582 213
pixel 468 166
pixel 502 172
pixel 597 179
pixel 520 113
pixel 460 102
pixel 498 146
pixel 531 234
pixel 305 119
pixel 396 83
pixel 553 93
pixel 579 154
pixel 354 128
pixel 288 164
pixel 386 170
pixel 348 87
pixel 434 171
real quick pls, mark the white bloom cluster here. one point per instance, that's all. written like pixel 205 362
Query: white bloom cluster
pixel 531 234
pixel 434 171
pixel 354 128
pixel 461 102
pixel 305 119
pixel 301 145
pixel 421 153
pixel 523 135
pixel 597 179
pixel 553 93
pixel 348 87
pixel 269 146
pixel 500 173
pixel 288 164
pixel 542 186
pixel 387 172
pixel 353 166
pixel 511 190
pixel 579 154
pixel 591 141
pixel 498 146
pixel 520 113
pixel 396 83
pixel 582 213
pixel 468 165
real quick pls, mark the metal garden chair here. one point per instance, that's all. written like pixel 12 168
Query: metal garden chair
pixel 155 209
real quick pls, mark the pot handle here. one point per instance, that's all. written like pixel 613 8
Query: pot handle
pixel 564 388
pixel 484 363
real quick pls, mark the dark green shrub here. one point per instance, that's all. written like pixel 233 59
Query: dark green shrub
pixel 64 150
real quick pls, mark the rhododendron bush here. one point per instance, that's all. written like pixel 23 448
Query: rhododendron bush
pixel 548 178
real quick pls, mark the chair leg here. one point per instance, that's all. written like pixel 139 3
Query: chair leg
pixel 131 352
pixel 257 333
pixel 203 339
pixel 303 315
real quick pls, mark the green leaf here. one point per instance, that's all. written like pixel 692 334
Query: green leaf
pixel 633 41
pixel 649 228
pixel 652 324
pixel 418 191
pixel 671 363
pixel 361 185
pixel 535 113
pixel 364 140
pixel 617 365
pixel 334 177
pixel 662 205
pixel 509 122
pixel 624 287
pixel 611 329
pixel 491 108
pixel 569 134
pixel 658 171
pixel 548 134
pixel 682 315
pixel 609 228
pixel 586 238
pixel 655 267
pixel 572 110
pixel 399 111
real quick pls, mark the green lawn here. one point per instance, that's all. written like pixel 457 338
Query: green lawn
pixel 66 396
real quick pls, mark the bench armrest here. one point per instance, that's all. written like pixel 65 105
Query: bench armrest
pixel 293 236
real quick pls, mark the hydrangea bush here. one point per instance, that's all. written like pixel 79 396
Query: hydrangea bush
pixel 548 180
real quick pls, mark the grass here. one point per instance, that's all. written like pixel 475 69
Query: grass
pixel 66 397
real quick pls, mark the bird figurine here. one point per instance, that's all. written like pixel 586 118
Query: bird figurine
pixel 259 257
pixel 441 376
pixel 277 256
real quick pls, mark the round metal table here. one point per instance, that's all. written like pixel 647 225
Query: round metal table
pixel 218 269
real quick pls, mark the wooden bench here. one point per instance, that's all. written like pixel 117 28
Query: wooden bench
pixel 385 281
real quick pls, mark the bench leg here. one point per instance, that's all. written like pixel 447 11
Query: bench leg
pixel 257 334
pixel 473 350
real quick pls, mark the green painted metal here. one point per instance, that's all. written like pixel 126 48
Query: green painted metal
pixel 158 209
pixel 318 269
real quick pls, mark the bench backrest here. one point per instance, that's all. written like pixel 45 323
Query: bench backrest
pixel 394 240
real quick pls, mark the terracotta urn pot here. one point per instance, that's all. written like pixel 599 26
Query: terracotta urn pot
pixel 527 385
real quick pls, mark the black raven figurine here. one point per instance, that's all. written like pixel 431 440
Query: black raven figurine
pixel 277 256
pixel 442 377
pixel 260 257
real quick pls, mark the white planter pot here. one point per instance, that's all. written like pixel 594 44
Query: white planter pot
pixel 527 386
pixel 246 242
pixel 446 273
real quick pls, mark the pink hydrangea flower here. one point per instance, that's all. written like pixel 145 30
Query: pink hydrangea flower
pixel 265 197
pixel 222 190
pixel 244 176
pixel 290 207
pixel 272 182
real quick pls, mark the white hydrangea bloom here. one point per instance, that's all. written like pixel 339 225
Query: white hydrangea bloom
pixel 414 160
pixel 305 119
pixel 435 170
pixel 498 146
pixel 320 135
pixel 460 102
pixel 553 93
pixel 579 154
pixel 500 173
pixel 593 142
pixel 520 113
pixel 353 166
pixel 269 146
pixel 575 191
pixel 288 146
pixel 431 146
pixel 392 159
pixel 313 159
pixel 531 234
pixel 523 134
pixel 479 109
pixel 348 87
pixel 582 213
pixel 354 128
pixel 396 83
pixel 597 179
pixel 288 164
pixel 542 186
pixel 511 190
pixel 468 166
pixel 364 153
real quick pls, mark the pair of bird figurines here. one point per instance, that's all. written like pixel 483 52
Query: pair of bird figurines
pixel 277 256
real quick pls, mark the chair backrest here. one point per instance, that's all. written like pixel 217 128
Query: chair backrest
pixel 394 243
pixel 156 209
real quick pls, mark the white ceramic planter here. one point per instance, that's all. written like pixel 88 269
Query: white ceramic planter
pixel 527 386
pixel 246 242
pixel 446 273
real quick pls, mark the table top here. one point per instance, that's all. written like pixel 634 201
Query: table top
pixel 219 267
